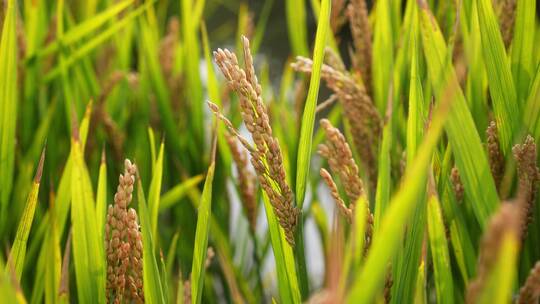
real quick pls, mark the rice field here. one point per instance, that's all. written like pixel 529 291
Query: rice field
pixel 323 151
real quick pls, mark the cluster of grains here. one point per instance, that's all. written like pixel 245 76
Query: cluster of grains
pixel 457 185
pixel 506 220
pixel 339 156
pixel 123 244
pixel 529 177
pixel 363 117
pixel 246 185
pixel 530 292
pixel 266 156
pixel 357 13
pixel 496 159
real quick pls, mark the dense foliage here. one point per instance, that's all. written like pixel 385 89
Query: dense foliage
pixel 306 151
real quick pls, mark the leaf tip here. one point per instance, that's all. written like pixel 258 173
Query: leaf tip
pixel 39 171
pixel 74 125
pixel 103 155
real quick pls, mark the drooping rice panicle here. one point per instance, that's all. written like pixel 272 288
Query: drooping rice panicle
pixel 344 210
pixel 266 156
pixel 361 113
pixel 337 152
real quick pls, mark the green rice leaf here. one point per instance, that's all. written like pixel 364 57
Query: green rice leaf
pixel 289 291
pixel 308 116
pixel 152 141
pixel 460 235
pixel 101 197
pixel 439 251
pixel 18 251
pixel 382 195
pixel 159 87
pixel 88 253
pixel 8 106
pixel 501 85
pixel 84 28
pixel 306 136
pixel 420 288
pixel 201 237
pixel 191 50
pixel 407 261
pixel 532 108
pixel 10 293
pixel 54 263
pixel 175 194
pixel 155 192
pixel 370 279
pixel 260 28
pixel 96 41
pixel 522 63
pixel 469 154
pixel 214 94
pixel 296 24
pixel 153 290
pixel 383 43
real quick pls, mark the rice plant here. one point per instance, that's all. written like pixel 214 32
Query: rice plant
pixel 345 151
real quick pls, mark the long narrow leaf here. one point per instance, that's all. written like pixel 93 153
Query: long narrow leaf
pixel 308 116
pixel 155 192
pixel 18 252
pixel 370 279
pixel 439 251
pixel 101 196
pixel 8 106
pixel 501 85
pixel 522 63
pixel 470 157
pixel 88 254
pixel 153 290
pixel 201 238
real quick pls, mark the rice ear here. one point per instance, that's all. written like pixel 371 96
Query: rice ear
pixel 266 155
pixel 123 243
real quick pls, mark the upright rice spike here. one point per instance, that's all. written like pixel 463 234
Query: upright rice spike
pixel 529 177
pixel 123 244
pixel 496 159
pixel 361 33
